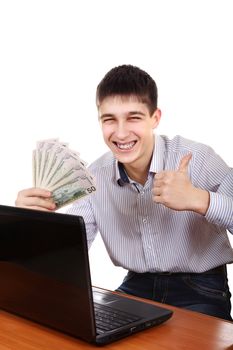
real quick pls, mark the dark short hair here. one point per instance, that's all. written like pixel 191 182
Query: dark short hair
pixel 128 80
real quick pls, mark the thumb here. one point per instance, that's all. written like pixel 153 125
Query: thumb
pixel 185 162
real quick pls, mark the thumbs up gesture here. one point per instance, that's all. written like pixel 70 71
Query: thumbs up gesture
pixel 175 190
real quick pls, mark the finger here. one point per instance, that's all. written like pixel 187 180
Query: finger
pixel 34 207
pixel 28 194
pixel 158 183
pixel 159 176
pixel 41 202
pixel 157 199
pixel 38 205
pixel 183 167
pixel 34 192
pixel 156 191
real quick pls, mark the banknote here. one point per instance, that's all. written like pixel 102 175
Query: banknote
pixel 60 170
pixel 71 192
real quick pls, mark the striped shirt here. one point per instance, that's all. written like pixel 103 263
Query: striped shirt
pixel 143 236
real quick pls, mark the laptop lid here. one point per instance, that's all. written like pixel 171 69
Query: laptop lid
pixel 45 271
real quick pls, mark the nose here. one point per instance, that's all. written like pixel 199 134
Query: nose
pixel 121 130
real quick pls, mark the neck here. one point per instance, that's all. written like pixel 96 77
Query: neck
pixel 136 174
pixel 138 170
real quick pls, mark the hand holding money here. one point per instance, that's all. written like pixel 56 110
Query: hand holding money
pixel 60 170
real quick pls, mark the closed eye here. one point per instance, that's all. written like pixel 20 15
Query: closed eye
pixel 135 117
pixel 107 119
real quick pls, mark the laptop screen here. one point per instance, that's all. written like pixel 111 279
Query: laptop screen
pixel 44 269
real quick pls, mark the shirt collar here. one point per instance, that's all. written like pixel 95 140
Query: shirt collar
pixel 122 177
pixel 158 157
pixel 156 165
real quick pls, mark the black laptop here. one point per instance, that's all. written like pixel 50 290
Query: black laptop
pixel 45 277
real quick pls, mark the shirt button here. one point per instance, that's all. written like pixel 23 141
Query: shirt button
pixel 142 193
pixel 144 220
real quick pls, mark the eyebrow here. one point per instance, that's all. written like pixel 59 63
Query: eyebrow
pixel 136 112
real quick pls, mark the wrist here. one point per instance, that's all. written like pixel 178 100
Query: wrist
pixel 201 202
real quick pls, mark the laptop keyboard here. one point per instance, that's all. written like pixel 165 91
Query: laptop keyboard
pixel 108 318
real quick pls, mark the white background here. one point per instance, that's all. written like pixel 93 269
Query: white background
pixel 54 53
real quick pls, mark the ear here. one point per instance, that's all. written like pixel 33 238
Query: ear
pixel 156 116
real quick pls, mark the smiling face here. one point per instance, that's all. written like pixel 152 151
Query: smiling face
pixel 127 128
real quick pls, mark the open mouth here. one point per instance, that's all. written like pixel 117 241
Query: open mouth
pixel 125 146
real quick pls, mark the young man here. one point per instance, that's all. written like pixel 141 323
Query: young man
pixel 162 207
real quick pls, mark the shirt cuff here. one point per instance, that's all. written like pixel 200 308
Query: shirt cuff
pixel 220 211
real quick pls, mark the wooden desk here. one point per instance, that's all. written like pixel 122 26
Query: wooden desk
pixel 186 330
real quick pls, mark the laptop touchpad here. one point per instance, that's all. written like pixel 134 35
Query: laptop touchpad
pixel 104 298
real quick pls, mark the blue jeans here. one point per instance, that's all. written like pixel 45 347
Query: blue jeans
pixel 207 292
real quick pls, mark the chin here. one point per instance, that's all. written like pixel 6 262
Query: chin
pixel 124 159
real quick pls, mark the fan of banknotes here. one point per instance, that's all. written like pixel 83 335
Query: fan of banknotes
pixel 61 171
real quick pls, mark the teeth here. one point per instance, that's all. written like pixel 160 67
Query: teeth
pixel 125 145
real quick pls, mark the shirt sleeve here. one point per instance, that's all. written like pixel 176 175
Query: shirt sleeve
pixel 83 208
pixel 214 175
pixel 220 211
